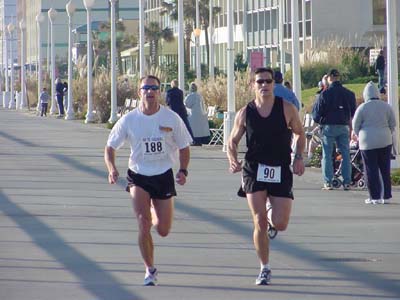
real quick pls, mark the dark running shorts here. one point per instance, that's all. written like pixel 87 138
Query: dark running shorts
pixel 250 184
pixel 158 186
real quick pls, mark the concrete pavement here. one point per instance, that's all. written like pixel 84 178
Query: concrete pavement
pixel 65 233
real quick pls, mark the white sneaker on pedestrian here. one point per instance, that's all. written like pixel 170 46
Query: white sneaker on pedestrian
pixel 387 201
pixel 150 279
pixel 369 201
pixel 380 201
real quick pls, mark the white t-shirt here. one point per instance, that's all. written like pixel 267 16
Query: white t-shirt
pixel 154 140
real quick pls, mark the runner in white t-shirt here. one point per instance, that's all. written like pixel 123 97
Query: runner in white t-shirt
pixel 158 138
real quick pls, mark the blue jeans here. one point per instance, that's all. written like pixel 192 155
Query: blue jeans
pixel 341 135
pixel 381 79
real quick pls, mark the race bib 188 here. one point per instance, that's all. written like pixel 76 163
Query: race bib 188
pixel 153 148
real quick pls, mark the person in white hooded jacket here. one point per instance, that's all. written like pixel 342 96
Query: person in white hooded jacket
pixel 374 123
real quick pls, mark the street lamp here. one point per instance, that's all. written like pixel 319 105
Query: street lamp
pixel 70 8
pixel 22 102
pixel 113 114
pixel 52 13
pixel 142 61
pixel 10 29
pixel 39 20
pixel 181 53
pixel 89 115
pixel 197 33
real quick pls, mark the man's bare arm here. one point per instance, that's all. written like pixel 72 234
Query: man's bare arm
pixel 109 159
pixel 184 157
pixel 234 139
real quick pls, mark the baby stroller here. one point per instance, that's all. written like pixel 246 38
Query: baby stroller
pixel 357 174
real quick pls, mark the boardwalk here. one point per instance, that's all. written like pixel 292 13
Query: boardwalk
pixel 66 234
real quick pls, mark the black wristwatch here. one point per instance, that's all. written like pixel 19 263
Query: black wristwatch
pixel 298 156
pixel 184 171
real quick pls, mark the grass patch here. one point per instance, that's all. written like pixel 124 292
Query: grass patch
pixel 395 175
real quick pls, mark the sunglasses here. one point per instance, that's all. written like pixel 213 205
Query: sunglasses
pixel 261 81
pixel 150 87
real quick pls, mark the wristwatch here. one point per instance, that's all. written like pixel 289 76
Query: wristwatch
pixel 298 156
pixel 184 171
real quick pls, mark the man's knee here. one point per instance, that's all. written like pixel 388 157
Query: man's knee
pixel 144 223
pixel 163 231
pixel 281 225
pixel 261 222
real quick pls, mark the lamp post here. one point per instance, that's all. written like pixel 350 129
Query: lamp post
pixel 211 43
pixel 295 51
pixel 70 8
pixel 142 61
pixel 113 114
pixel 89 115
pixel 52 13
pixel 11 28
pixel 22 103
pixel 229 116
pixel 6 95
pixel 181 54
pixel 39 20
pixel 197 33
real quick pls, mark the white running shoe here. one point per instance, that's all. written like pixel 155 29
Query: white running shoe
pixel 150 278
pixel 373 201
pixel 264 278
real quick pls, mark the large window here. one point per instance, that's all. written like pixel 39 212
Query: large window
pixel 378 12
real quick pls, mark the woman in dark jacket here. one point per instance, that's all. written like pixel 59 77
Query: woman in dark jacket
pixel 60 96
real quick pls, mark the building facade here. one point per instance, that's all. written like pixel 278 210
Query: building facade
pixel 8 13
pixel 126 10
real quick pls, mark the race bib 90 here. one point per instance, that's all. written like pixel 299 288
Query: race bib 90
pixel 268 173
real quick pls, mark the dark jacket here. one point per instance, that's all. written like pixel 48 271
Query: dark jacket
pixel 334 106
pixel 60 89
pixel 380 63
pixel 174 100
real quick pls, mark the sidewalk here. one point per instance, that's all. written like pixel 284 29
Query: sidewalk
pixel 65 233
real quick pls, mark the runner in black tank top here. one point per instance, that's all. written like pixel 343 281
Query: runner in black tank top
pixel 266 175
pixel 268 139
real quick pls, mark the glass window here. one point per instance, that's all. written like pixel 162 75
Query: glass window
pixel 255 21
pixel 261 21
pixel 378 12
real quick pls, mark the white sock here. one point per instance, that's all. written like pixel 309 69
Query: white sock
pixel 266 266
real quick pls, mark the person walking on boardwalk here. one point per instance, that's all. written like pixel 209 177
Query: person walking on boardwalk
pixel 44 102
pixel 267 179
pixel 158 138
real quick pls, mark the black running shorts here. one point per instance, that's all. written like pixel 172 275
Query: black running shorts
pixel 158 186
pixel 250 184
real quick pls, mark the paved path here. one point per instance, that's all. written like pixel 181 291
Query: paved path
pixel 66 234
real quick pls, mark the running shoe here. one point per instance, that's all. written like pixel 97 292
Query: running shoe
pixel 327 186
pixel 380 201
pixel 150 278
pixel 264 278
pixel 372 201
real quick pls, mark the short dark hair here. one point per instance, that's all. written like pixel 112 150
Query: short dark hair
pixel 150 77
pixel 264 70
pixel 334 73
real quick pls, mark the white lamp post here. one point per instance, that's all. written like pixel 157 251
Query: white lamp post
pixel 296 51
pixel 393 99
pixel 113 114
pixel 11 28
pixel 39 20
pixel 229 116
pixel 142 61
pixel 181 54
pixel 6 93
pixel 70 8
pixel 197 33
pixel 89 115
pixel 22 103
pixel 52 13
pixel 211 43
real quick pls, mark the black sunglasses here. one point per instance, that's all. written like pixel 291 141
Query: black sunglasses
pixel 261 81
pixel 150 87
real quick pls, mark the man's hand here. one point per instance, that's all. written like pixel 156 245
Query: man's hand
pixel 180 178
pixel 298 167
pixel 235 166
pixel 113 177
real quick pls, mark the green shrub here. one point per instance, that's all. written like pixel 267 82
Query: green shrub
pixel 395 177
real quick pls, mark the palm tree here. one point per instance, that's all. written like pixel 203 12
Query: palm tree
pixel 189 6
pixel 154 34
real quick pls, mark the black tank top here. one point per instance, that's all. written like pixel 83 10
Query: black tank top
pixel 268 139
